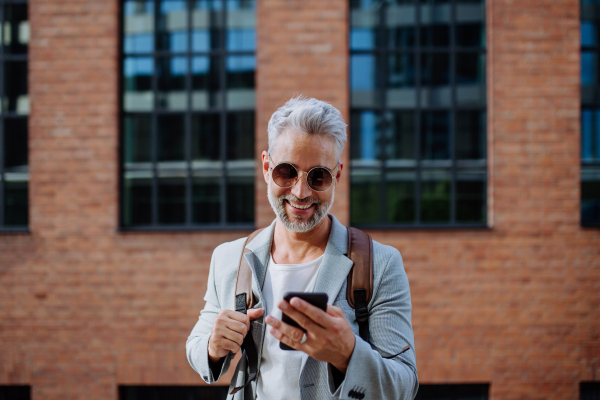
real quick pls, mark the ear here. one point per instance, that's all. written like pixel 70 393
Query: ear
pixel 338 175
pixel 265 166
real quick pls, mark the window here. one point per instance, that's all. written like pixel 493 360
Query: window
pixel 187 143
pixel 589 390
pixel 418 113
pixel 14 109
pixel 590 113
pixel 453 392
pixel 172 392
pixel 14 392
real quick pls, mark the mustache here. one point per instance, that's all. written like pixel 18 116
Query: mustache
pixel 295 198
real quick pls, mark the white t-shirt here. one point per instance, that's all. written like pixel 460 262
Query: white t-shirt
pixel 280 369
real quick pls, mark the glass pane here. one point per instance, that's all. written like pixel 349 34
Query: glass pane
pixel 206 130
pixel 363 80
pixel 401 91
pixel 435 197
pixel 205 83
pixel 137 198
pixel 471 197
pixel 241 35
pixel 171 134
pixel 240 82
pixel 15 35
pixel 138 27
pixel 590 197
pixel 172 25
pixel 138 94
pixel 365 135
pixel 435 36
pixel 240 199
pixel 15 203
pixel 207 18
pixel 171 200
pixel 206 200
pixel 16 99
pixel 435 21
pixel 171 82
pixel 364 20
pixel 435 78
pixel 400 144
pixel 471 135
pixel 470 20
pixel 470 79
pixel 240 136
pixel 589 68
pixel 137 133
pixel 400 23
pixel 365 196
pixel 435 135
pixel 589 33
pixel 400 197
pixel 15 143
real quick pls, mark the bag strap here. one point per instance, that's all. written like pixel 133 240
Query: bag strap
pixel 360 279
pixel 244 301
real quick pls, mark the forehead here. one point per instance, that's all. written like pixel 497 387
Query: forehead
pixel 305 151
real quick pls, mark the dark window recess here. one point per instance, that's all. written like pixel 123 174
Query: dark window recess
pixel 187 114
pixel 589 391
pixel 418 150
pixel 172 392
pixel 14 110
pixel 590 114
pixel 15 392
pixel 453 392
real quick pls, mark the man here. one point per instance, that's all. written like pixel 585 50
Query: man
pixel 304 250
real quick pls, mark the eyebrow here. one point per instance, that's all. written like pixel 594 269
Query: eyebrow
pixel 316 166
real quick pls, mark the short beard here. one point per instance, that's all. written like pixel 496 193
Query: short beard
pixel 278 206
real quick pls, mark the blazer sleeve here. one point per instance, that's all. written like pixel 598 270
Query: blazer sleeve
pixel 381 370
pixel 197 343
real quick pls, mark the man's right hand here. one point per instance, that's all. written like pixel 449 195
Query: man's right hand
pixel 228 332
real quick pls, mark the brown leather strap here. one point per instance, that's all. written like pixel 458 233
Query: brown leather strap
pixel 360 250
pixel 243 283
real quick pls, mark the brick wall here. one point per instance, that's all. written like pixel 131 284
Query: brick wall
pixel 84 307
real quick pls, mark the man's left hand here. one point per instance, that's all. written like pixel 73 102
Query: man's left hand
pixel 329 336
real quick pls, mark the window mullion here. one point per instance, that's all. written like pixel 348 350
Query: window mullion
pixel 222 110
pixel 188 120
pixel 154 124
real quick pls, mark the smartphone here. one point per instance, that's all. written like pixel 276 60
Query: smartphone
pixel 316 299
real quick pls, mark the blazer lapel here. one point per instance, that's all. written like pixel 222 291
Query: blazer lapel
pixel 334 267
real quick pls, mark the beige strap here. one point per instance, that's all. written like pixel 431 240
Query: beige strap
pixel 360 250
pixel 244 276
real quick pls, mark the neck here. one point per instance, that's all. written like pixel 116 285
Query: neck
pixel 298 247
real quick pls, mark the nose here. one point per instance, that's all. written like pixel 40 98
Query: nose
pixel 301 189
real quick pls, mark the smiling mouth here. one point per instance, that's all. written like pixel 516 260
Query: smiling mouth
pixel 300 206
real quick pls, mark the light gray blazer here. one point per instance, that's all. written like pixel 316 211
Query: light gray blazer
pixel 375 370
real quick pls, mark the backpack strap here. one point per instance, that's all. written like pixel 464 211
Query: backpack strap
pixel 243 285
pixel 243 301
pixel 360 279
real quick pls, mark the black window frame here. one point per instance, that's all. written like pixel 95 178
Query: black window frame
pixel 222 111
pixel 168 392
pixel 593 166
pixel 4 228
pixel 589 390
pixel 381 52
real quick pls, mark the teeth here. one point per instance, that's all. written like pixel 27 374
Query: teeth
pixel 301 207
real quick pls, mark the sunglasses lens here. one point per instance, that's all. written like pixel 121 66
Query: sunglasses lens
pixel 285 175
pixel 319 179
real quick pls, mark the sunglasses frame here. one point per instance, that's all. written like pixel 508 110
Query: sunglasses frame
pixel 299 173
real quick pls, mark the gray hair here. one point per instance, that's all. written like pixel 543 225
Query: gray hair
pixel 311 117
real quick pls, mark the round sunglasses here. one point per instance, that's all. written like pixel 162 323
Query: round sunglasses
pixel 285 175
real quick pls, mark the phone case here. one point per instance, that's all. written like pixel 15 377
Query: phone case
pixel 316 299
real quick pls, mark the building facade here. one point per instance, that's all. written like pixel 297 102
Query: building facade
pixel 130 150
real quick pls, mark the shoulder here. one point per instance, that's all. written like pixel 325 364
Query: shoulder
pixel 386 256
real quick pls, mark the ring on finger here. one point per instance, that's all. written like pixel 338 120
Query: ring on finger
pixel 303 338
